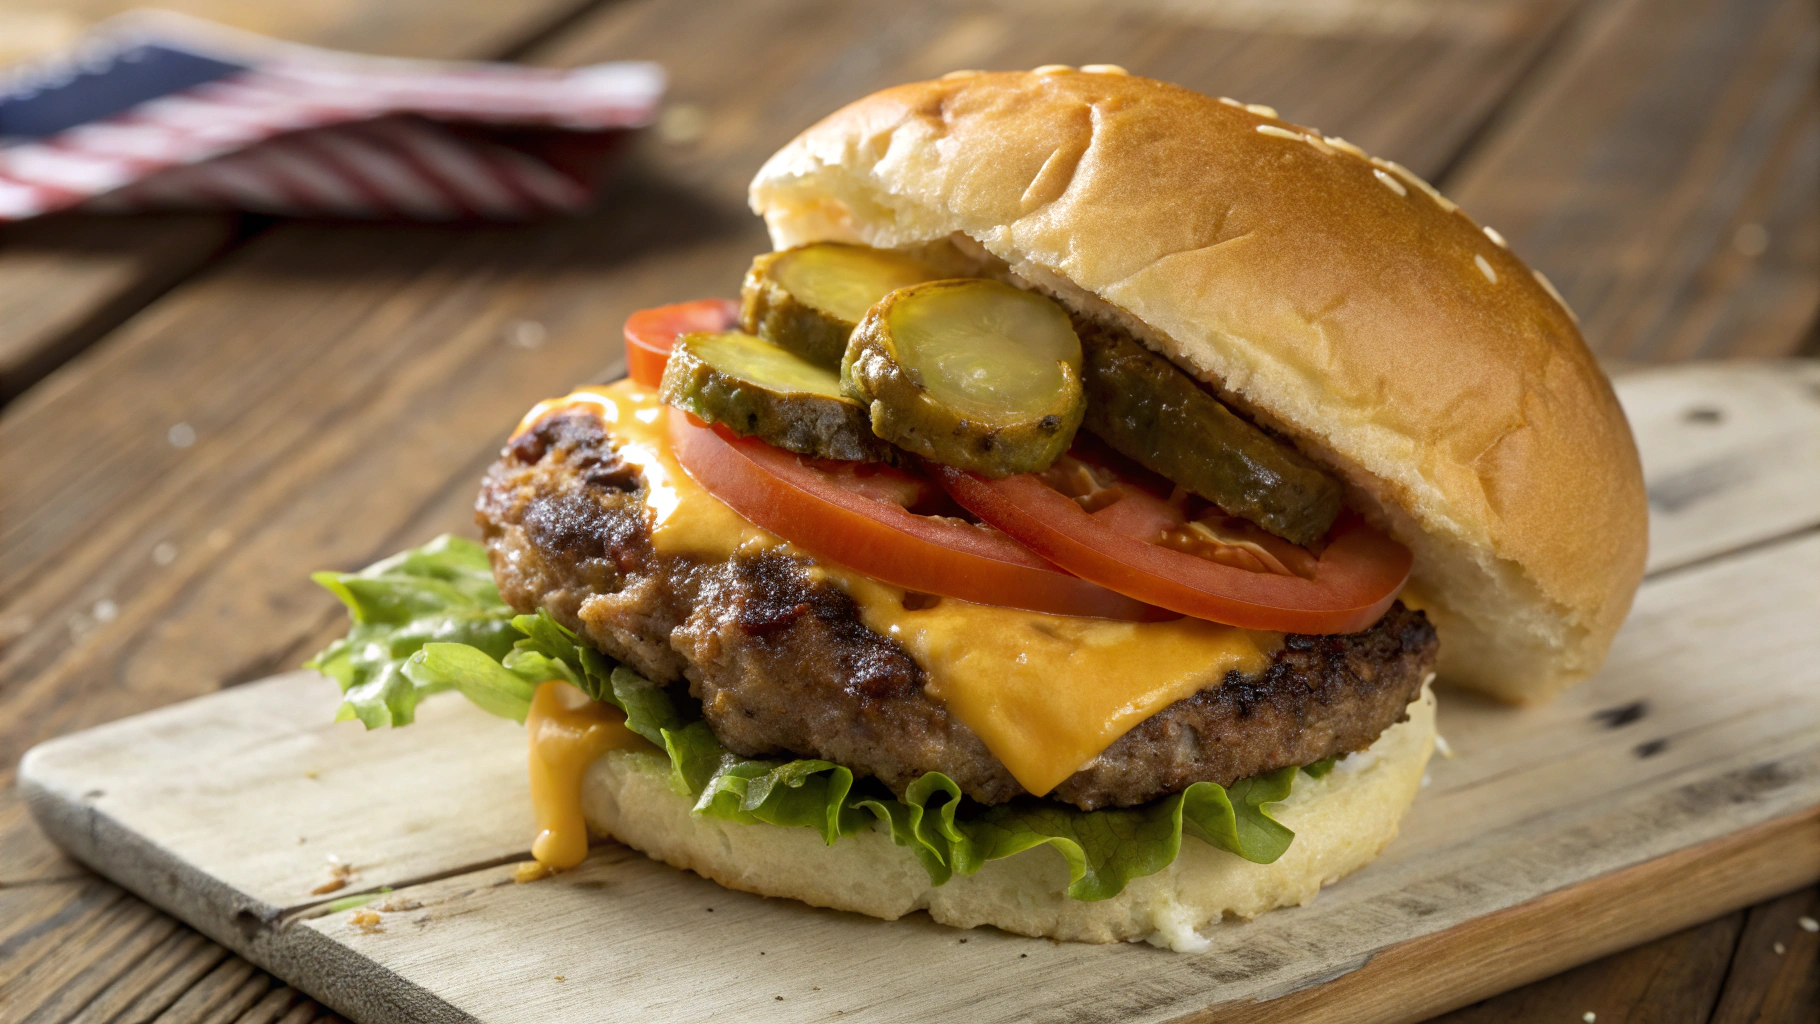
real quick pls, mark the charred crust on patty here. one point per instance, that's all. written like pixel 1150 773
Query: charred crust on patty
pixel 784 666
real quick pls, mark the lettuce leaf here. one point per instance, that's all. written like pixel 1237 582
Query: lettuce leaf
pixel 440 593
pixel 430 619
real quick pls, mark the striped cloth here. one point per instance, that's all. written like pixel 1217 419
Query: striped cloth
pixel 158 111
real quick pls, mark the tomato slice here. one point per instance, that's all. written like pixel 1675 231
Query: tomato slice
pixel 651 332
pixel 855 515
pixel 1355 579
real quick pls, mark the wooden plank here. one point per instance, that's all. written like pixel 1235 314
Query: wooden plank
pixel 1661 171
pixel 1731 453
pixel 1775 974
pixel 1418 978
pixel 67 280
pixel 1552 829
pixel 1673 978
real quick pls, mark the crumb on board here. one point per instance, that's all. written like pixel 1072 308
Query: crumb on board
pixel 530 871
pixel 339 873
pixel 396 904
pixel 561 978
pixel 365 919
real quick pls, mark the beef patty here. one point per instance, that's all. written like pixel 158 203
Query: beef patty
pixel 783 665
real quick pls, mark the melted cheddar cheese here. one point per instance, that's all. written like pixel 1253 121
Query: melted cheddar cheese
pixel 1045 693
pixel 567 733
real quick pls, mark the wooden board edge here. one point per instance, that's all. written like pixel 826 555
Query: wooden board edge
pixel 329 972
pixel 1430 975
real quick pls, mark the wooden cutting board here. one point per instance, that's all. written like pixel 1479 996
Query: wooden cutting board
pixel 1681 782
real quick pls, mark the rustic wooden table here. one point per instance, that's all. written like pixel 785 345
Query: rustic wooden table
pixel 342 385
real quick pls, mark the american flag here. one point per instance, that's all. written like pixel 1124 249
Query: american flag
pixel 159 111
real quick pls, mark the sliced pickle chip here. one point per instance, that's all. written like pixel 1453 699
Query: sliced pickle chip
pixel 809 299
pixel 1154 414
pixel 757 389
pixel 969 373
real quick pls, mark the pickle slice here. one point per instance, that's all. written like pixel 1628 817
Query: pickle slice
pixel 759 390
pixel 1151 412
pixel 969 373
pixel 809 299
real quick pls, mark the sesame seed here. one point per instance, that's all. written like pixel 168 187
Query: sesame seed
pixel 181 435
pixel 1589 1017
pixel 1052 69
pixel 1808 924
pixel 1261 110
pixel 1229 101
pixel 1442 747
pixel 1104 69
pixel 1485 268
pixel 1780 948
pixel 1415 179
pixel 1549 287
pixel 1389 182
pixel 1317 142
pixel 950 76
pixel 105 610
pixel 1279 133
pixel 1496 239
pixel 1345 147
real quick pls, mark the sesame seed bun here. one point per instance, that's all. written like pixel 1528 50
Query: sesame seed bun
pixel 1335 297
pixel 1341 823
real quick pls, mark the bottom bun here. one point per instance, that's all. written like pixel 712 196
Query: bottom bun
pixel 1341 822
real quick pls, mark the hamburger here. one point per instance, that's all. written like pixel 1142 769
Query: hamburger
pixel 1061 533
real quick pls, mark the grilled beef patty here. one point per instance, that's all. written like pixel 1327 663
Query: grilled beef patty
pixel 783 665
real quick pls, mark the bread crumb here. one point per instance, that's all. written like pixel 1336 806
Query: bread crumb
pixel 530 871
pixel 339 873
pixel 561 978
pixel 365 920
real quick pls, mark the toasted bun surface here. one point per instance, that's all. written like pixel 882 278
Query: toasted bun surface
pixel 1332 296
pixel 1341 822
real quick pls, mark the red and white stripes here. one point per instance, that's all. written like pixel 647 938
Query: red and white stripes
pixel 310 132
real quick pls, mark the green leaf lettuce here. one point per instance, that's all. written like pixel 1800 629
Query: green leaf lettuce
pixel 430 619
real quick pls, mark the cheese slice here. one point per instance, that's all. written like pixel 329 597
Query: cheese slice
pixel 1045 693
pixel 1049 693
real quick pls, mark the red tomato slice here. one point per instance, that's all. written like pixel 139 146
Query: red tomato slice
pixel 1356 578
pixel 651 332
pixel 854 515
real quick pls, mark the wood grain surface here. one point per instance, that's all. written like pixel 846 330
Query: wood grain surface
pixel 1628 141
pixel 1660 168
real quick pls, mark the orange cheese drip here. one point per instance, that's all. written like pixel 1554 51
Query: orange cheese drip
pixel 567 733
